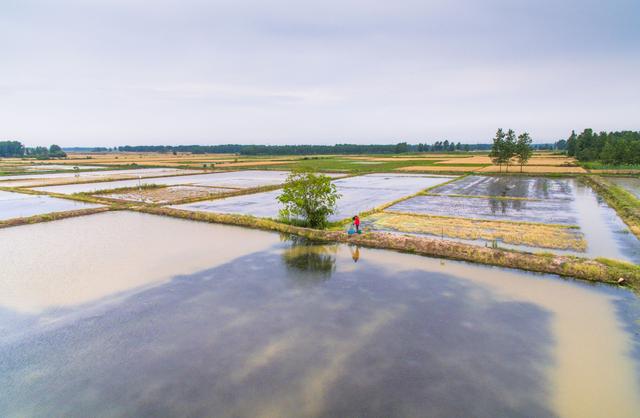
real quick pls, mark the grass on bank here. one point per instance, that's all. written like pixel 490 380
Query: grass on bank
pixel 625 204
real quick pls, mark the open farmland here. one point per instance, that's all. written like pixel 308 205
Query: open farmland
pixel 36 179
pixel 358 194
pixel 231 179
pixel 570 212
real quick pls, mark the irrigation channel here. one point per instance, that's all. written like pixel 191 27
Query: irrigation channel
pixel 124 313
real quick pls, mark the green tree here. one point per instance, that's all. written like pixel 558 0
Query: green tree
pixel 496 149
pixel 508 148
pixel 523 149
pixel 308 197
pixel 56 152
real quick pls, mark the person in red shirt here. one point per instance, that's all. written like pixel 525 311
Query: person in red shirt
pixel 356 222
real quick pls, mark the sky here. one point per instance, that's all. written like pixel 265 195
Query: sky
pixel 116 72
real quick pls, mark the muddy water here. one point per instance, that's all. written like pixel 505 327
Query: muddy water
pixel 18 205
pixel 207 320
pixel 606 234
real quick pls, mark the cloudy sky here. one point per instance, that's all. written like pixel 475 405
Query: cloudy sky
pixel 114 72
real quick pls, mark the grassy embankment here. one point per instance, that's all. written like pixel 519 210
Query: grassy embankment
pixel 624 203
pixel 606 271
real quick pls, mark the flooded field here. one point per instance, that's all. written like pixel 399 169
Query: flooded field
pixel 524 199
pixel 358 194
pixel 232 179
pixel 140 315
pixel 630 184
pixel 27 180
pixel 17 205
pixel 169 194
pixel 508 186
pixel 555 212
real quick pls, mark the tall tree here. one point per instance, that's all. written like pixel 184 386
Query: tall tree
pixel 496 149
pixel 509 147
pixel 523 149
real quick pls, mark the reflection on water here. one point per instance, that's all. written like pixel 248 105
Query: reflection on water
pixel 308 262
pixel 393 335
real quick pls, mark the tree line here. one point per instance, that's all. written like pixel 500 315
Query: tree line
pixel 616 148
pixel 399 148
pixel 507 146
pixel 15 149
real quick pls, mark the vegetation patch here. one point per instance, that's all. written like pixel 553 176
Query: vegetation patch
pixel 47 217
pixel 516 233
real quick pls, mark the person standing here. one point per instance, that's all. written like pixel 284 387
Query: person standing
pixel 356 222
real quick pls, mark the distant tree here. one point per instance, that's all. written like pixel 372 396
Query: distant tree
pixel 466 147
pixel 402 147
pixel 56 152
pixel 523 149
pixel 11 149
pixel 496 153
pixel 571 144
pixel 508 147
pixel 309 197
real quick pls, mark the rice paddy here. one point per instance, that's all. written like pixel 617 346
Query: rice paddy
pixel 358 194
pixel 515 233
pixel 18 205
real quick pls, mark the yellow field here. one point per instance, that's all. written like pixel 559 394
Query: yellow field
pixel 436 168
pixel 533 169
pixel 535 235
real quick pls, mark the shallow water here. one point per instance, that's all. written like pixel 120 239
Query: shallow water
pixel 557 211
pixel 570 203
pixel 508 186
pixel 18 205
pixel 232 179
pixel 630 184
pixel 34 179
pixel 148 316
pixel 358 194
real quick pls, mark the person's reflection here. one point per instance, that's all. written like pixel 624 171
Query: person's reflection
pixel 355 252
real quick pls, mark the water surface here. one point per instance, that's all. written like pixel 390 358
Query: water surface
pixel 232 179
pixel 18 205
pixel 209 320
pixel 357 194
pixel 630 184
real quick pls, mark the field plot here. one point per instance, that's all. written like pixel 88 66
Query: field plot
pixel 18 205
pixel 530 235
pixel 505 186
pixel 630 184
pixel 230 179
pixel 530 205
pixel 559 211
pixel 30 180
pixel 359 194
pixel 166 317
pixel 169 194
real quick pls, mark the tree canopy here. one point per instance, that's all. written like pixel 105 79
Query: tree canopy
pixel 308 197
pixel 506 146
pixel 616 148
